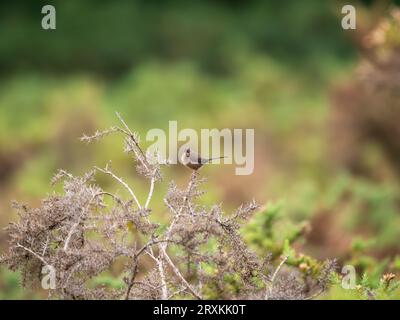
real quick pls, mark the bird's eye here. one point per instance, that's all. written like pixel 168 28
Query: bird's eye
pixel 188 152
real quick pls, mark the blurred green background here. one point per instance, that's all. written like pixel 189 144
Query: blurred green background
pixel 266 65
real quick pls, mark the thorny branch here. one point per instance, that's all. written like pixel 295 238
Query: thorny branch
pixel 84 238
pixel 106 170
pixel 75 225
pixel 268 292
pixel 32 252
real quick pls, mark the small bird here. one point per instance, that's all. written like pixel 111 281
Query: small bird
pixel 194 161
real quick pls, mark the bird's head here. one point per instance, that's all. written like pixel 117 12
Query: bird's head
pixel 185 156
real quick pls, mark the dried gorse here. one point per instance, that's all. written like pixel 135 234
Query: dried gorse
pixel 85 232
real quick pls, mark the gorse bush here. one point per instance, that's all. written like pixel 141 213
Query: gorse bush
pixel 103 246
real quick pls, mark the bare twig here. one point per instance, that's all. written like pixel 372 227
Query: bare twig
pixel 150 193
pixel 32 252
pixel 136 262
pixel 140 155
pixel 179 275
pixel 122 182
pixel 45 245
pixel 76 224
pixel 164 288
pixel 268 292
pixel 176 293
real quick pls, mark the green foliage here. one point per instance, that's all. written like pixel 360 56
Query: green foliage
pixel 110 37
pixel 107 281
pixel 10 284
pixel 269 231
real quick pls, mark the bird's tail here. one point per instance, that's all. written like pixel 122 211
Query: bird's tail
pixel 211 159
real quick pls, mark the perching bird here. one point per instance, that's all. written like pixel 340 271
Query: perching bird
pixel 193 160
